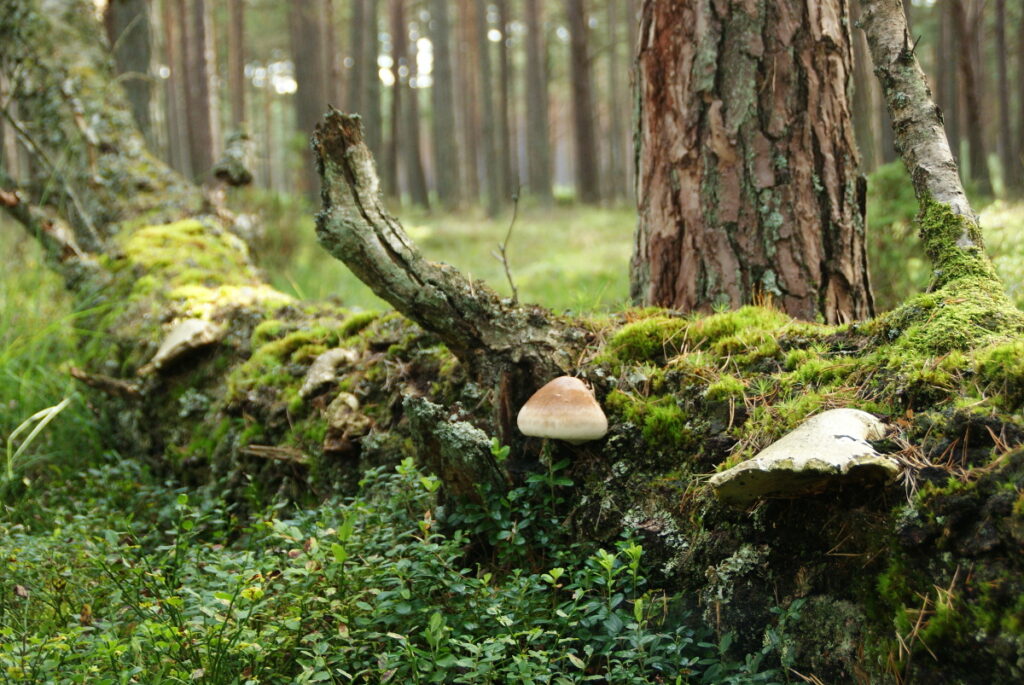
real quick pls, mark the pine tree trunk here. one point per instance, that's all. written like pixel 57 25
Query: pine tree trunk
pixel 1012 179
pixel 305 19
pixel 469 118
pixel 442 98
pixel 236 61
pixel 399 33
pixel 371 111
pixel 948 96
pixel 488 128
pixel 198 94
pixel 748 188
pixel 411 152
pixel 174 90
pixel 506 149
pixel 615 178
pixel 357 53
pixel 588 182
pixel 127 24
pixel 966 38
pixel 538 136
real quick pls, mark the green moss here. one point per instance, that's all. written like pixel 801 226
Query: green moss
pixel 1000 370
pixel 656 337
pixel 267 331
pixel 357 322
pixel 748 323
pixel 726 388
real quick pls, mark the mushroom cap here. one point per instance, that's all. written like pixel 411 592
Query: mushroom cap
pixel 564 409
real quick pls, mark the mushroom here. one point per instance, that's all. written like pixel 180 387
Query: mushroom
pixel 564 409
pixel 829 447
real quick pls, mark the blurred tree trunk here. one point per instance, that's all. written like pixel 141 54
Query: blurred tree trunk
pixel 632 27
pixel 332 68
pixel 946 78
pixel 412 151
pixel 615 177
pixel 966 33
pixel 469 125
pixel 236 61
pixel 866 104
pixel 371 111
pixel 488 128
pixel 442 92
pixel 537 134
pixel 127 25
pixel 357 53
pixel 1020 93
pixel 197 50
pixel 746 197
pixel 305 19
pixel 399 34
pixel 1012 179
pixel 506 148
pixel 588 183
pixel 174 89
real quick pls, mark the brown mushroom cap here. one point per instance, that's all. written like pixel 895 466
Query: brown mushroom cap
pixel 564 409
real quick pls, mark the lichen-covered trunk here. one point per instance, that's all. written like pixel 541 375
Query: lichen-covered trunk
pixel 748 184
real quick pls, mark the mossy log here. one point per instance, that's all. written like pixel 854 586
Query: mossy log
pixel 921 580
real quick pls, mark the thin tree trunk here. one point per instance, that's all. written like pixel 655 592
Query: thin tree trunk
pixel 305 19
pixel 174 89
pixel 127 24
pixel 538 137
pixel 332 70
pixel 236 61
pixel 488 128
pixel 412 155
pixel 372 110
pixel 946 78
pixel 201 124
pixel 1011 165
pixel 865 104
pixel 399 35
pixel 631 104
pixel 1020 94
pixel 357 52
pixel 966 36
pixel 506 149
pixel 442 92
pixel 588 183
pixel 469 125
pixel 615 176
pixel 748 187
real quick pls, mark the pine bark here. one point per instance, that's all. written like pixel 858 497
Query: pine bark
pixel 442 92
pixel 538 136
pixel 966 32
pixel 588 181
pixel 748 188
pixel 128 30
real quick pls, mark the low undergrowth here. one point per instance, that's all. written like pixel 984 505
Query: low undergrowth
pixel 131 581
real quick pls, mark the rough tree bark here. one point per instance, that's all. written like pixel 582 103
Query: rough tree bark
pixel 869 569
pixel 748 187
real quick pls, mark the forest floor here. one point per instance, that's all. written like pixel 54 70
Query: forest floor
pixel 112 575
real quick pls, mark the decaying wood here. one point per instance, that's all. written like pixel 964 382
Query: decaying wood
pixel 505 345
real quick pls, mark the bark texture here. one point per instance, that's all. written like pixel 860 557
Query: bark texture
pixel 588 183
pixel 748 187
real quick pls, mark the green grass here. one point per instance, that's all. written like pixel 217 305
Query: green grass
pixel 574 258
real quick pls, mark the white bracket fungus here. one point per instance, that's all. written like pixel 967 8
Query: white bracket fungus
pixel 825 448
pixel 187 335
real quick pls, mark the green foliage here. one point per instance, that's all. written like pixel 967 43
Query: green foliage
pixel 142 583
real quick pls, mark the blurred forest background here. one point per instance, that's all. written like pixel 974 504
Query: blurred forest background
pixel 469 104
